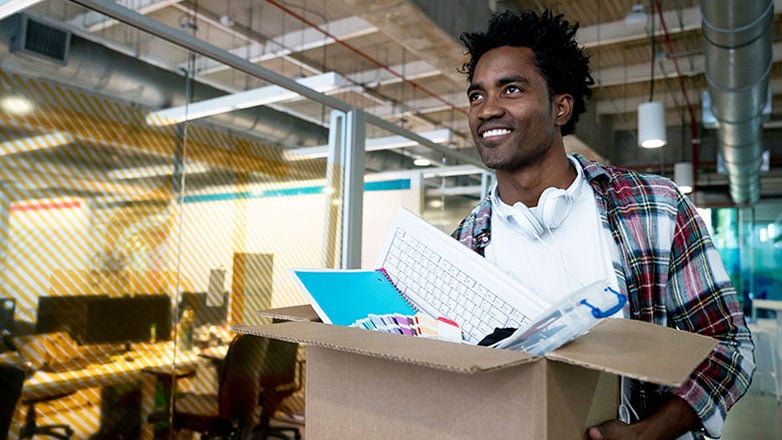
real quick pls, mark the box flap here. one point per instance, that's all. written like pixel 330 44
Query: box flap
pixel 640 350
pixel 460 358
pixel 303 312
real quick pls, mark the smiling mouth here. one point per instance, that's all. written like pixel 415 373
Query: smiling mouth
pixel 494 133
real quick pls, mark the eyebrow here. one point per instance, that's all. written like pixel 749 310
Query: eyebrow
pixel 502 82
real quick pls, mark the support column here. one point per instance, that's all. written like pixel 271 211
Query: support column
pixel 345 188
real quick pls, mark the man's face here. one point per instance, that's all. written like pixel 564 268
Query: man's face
pixel 511 117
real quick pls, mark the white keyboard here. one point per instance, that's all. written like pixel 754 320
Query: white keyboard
pixel 442 277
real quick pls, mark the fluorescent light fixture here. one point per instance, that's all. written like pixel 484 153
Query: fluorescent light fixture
pixel 637 15
pixel 682 175
pixel 237 101
pixel 23 145
pixel 154 171
pixel 8 7
pixel 375 144
pixel 651 125
pixel 422 162
pixel 17 105
pixel 456 170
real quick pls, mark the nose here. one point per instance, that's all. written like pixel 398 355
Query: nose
pixel 490 108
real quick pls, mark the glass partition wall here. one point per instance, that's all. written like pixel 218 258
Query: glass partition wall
pixel 136 236
pixel 750 242
pixel 155 191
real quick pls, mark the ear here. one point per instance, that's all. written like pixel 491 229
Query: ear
pixel 563 108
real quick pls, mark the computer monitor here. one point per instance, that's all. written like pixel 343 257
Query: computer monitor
pixel 203 313
pixel 7 308
pixel 156 309
pixel 64 313
pixel 128 319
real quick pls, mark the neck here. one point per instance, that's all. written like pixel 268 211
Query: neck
pixel 526 185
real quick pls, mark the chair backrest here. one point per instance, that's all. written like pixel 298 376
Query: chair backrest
pixel 11 382
pixel 239 383
pixel 279 365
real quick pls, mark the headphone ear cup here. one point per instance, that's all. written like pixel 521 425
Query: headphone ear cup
pixel 527 222
pixel 554 206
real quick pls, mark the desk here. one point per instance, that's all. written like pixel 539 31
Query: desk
pixel 776 306
pixel 776 341
pixel 160 355
pixel 767 304
pixel 215 353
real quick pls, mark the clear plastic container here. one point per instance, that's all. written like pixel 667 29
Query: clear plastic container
pixel 566 320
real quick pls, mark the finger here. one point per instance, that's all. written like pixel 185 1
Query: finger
pixel 595 433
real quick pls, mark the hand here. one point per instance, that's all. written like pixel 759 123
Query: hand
pixel 672 419
pixel 611 430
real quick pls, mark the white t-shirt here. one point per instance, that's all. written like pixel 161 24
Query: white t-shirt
pixel 561 260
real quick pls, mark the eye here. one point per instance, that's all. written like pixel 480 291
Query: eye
pixel 511 89
pixel 474 96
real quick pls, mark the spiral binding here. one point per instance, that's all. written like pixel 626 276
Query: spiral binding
pixel 407 299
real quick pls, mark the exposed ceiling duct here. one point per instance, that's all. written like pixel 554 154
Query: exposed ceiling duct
pixel 101 70
pixel 737 36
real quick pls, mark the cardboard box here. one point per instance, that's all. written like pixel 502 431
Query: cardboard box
pixel 363 384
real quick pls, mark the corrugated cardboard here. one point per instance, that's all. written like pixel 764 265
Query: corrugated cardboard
pixel 363 384
pixel 292 313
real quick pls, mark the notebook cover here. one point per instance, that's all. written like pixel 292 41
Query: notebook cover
pixel 342 297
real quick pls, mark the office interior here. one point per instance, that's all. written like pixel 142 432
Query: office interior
pixel 170 159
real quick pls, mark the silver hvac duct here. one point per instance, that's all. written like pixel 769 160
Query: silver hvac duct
pixel 101 70
pixel 737 36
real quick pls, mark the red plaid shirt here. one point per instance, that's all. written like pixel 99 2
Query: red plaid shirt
pixel 672 276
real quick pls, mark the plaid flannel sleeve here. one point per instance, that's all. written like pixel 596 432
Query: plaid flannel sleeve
pixel 701 299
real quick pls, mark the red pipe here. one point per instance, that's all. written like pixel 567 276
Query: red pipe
pixel 364 55
pixel 694 136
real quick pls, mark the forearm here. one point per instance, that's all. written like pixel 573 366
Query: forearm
pixel 674 418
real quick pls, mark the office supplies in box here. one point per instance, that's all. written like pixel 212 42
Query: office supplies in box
pixel 360 383
pixel 426 272
pixel 433 274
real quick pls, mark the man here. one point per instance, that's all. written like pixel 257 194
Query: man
pixel 557 222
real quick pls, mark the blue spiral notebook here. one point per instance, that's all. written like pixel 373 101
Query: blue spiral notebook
pixel 342 297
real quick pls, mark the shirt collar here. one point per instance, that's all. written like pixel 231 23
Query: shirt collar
pixel 505 210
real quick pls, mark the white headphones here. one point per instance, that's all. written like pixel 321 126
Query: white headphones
pixel 554 205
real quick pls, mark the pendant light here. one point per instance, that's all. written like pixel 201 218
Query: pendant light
pixel 651 125
pixel 651 115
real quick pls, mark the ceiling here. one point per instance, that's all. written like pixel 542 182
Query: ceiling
pixel 398 61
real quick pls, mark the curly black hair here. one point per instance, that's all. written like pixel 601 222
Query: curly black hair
pixel 558 57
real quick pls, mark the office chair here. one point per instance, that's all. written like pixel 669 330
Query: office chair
pixel 230 412
pixel 31 427
pixel 11 382
pixel 281 376
pixel 38 350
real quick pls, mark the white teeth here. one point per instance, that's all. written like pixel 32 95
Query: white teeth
pixel 495 132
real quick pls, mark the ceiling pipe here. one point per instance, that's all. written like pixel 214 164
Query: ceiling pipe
pixel 203 48
pixel 98 69
pixel 366 56
pixel 694 132
pixel 737 36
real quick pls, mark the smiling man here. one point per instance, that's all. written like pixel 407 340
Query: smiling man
pixel 557 222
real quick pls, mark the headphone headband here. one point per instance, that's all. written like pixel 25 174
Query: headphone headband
pixel 554 205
